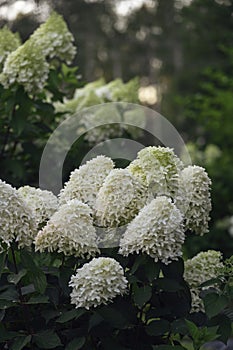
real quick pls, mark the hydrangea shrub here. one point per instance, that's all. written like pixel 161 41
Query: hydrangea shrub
pixel 61 289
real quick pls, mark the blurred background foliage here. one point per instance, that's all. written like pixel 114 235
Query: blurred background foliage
pixel 182 48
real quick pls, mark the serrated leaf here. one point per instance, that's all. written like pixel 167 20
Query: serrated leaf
pixel 76 344
pixel 47 339
pixel 20 342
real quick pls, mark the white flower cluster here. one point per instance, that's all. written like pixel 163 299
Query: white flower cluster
pixel 159 168
pixel 54 39
pixel 17 222
pixel 85 182
pixel 70 231
pixel 42 203
pixel 109 120
pixel 26 66
pixel 157 231
pixel 201 268
pixel 8 42
pixel 98 92
pixel 193 198
pixel 119 199
pixel 97 282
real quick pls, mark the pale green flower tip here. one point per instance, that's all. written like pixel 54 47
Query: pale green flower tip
pixel 54 39
pixel 27 67
pixel 9 42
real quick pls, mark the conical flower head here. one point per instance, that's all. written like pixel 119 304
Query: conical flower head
pixel 97 282
pixel 159 168
pixel 42 203
pixel 8 42
pixel 119 199
pixel 54 39
pixel 157 231
pixel 70 231
pixel 193 198
pixel 17 221
pixel 85 182
pixel 25 66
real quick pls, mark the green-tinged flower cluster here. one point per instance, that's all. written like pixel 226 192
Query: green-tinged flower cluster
pixel 157 231
pixel 54 39
pixel 119 199
pixel 194 199
pixel 26 66
pixel 8 42
pixel 158 168
pixel 97 282
pixel 99 92
pixel 17 221
pixel 70 231
pixel 42 203
pixel 201 268
pixel 85 182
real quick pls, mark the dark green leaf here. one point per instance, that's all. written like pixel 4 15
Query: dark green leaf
pixel 20 342
pixel 16 277
pixel 168 347
pixel 158 327
pixel 47 339
pixel 142 295
pixel 174 270
pixel 38 299
pixel 70 315
pixel 76 344
pixel 214 303
pixel 112 316
pixel 9 294
pixel 168 284
pixel 2 262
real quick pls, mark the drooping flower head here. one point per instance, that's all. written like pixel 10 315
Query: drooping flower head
pixel 159 167
pixel 70 231
pixel 157 231
pixel 27 67
pixel 54 39
pixel 119 199
pixel 43 203
pixel 193 198
pixel 17 222
pixel 8 42
pixel 201 268
pixel 97 282
pixel 85 182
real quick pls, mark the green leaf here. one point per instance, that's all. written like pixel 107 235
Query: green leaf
pixel 70 315
pixel 214 304
pixel 158 327
pixel 168 347
pixel 9 294
pixel 112 316
pixel 38 299
pixel 76 344
pixel 47 339
pixel 152 270
pixel 174 270
pixel 20 342
pixel 168 284
pixel 16 277
pixel 142 295
pixel 2 262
